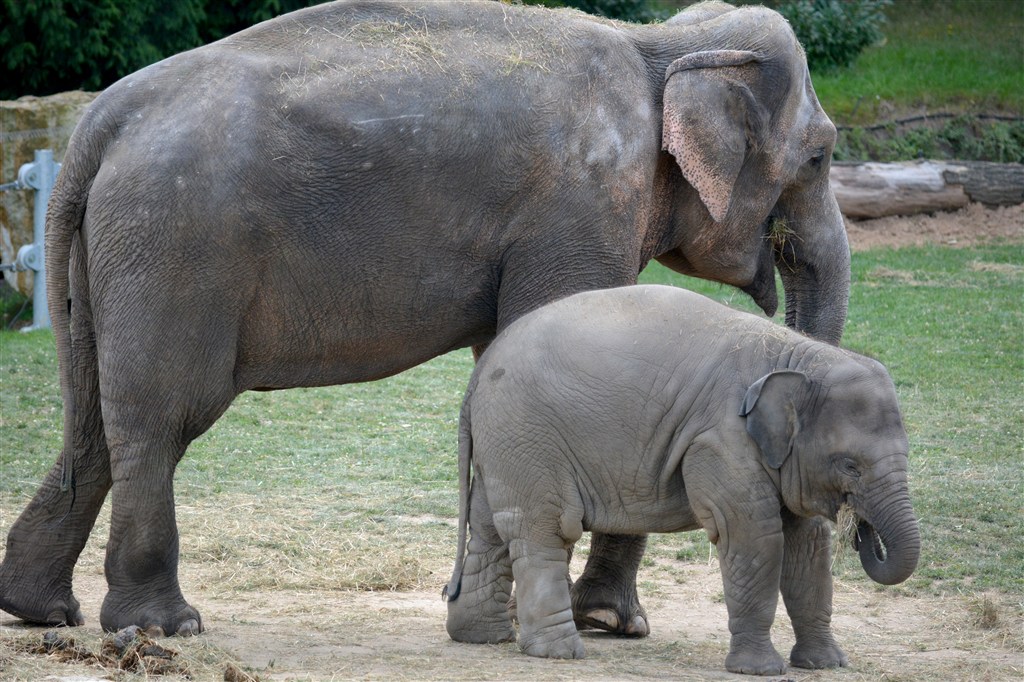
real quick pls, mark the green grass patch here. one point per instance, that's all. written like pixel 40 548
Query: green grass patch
pixel 949 55
pixel 345 466
pixel 949 325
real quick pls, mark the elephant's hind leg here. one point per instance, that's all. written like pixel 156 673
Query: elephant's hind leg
pixel 544 609
pixel 45 541
pixel 154 404
pixel 540 538
pixel 605 596
pixel 479 615
pixel 142 553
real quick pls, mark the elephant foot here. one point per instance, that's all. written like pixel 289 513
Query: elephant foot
pixel 566 643
pixel 481 623
pixel 814 656
pixel 479 633
pixel 607 619
pixel 605 595
pixel 158 618
pixel 597 607
pixel 754 660
pixel 38 598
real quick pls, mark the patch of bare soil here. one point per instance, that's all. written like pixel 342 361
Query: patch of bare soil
pixel 321 635
pixel 972 225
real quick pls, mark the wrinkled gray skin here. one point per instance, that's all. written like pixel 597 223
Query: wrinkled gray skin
pixel 344 192
pixel 593 413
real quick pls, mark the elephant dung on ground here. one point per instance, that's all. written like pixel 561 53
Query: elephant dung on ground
pixel 346 191
pixel 590 414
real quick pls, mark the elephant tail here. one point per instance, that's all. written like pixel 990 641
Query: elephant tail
pixel 64 217
pixel 454 586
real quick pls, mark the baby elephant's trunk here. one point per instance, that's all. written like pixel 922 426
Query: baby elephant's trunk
pixel 889 550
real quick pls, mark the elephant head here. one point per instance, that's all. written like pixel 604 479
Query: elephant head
pixel 753 147
pixel 839 439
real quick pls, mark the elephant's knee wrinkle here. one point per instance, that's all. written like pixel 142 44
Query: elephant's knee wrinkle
pixel 710 527
pixel 570 527
pixel 508 524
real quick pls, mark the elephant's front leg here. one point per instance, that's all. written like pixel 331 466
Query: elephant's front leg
pixel 479 613
pixel 750 551
pixel 605 595
pixel 740 513
pixel 807 592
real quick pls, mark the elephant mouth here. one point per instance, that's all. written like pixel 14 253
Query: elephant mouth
pixel 868 543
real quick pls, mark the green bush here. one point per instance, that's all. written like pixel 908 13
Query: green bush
pixel 57 45
pixel 14 306
pixel 834 32
pixel 968 138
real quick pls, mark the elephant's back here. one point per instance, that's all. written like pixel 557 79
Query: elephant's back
pixel 593 336
pixel 634 334
pixel 637 311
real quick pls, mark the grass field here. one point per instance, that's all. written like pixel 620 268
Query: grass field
pixel 947 322
pixel 953 55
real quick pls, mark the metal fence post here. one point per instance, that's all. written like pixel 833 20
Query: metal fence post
pixel 40 176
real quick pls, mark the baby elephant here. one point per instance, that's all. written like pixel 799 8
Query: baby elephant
pixel 653 409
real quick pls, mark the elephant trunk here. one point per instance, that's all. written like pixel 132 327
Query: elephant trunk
pixel 815 272
pixel 889 548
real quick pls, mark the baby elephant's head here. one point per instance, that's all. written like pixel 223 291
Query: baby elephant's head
pixel 837 438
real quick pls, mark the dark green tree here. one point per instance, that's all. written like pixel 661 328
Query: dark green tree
pixel 834 32
pixel 48 46
pixel 231 16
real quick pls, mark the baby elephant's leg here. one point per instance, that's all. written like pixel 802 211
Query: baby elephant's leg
pixel 479 614
pixel 544 607
pixel 807 592
pixel 739 509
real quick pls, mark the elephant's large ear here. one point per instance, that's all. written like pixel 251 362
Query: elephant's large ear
pixel 771 407
pixel 710 115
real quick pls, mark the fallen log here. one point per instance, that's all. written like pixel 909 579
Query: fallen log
pixel 874 190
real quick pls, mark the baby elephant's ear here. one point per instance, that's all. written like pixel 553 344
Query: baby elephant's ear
pixel 771 407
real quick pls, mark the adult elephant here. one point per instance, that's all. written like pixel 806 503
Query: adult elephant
pixel 346 191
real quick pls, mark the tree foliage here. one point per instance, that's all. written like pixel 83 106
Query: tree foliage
pixel 49 46
pixel 834 32
pixel 53 45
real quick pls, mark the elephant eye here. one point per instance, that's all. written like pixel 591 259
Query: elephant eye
pixel 817 158
pixel 849 467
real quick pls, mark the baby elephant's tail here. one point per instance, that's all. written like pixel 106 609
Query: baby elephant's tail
pixel 454 586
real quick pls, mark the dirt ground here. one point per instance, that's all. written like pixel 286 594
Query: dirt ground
pixel 323 635
pixel 887 633
pixel 972 225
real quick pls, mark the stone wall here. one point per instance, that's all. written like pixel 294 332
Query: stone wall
pixel 28 124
